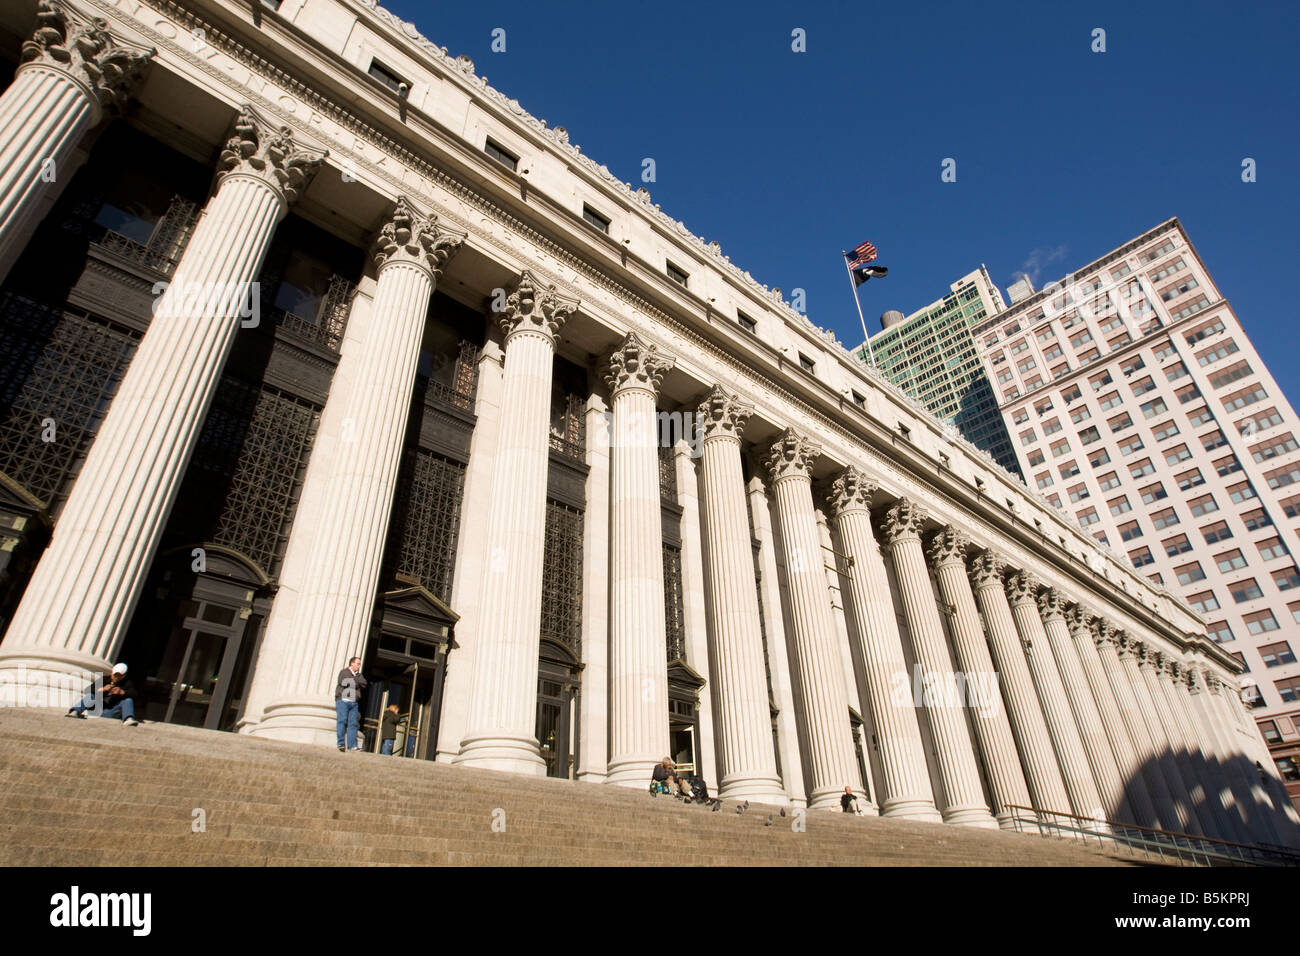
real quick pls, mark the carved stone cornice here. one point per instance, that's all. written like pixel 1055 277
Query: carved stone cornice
pixel 947 546
pixel 254 148
pixel 1050 604
pixel 636 365
pixel 791 456
pixel 851 491
pixel 986 570
pixel 722 415
pixel 1022 588
pixel 410 237
pixel 1078 617
pixel 532 307
pixel 904 520
pixel 79 45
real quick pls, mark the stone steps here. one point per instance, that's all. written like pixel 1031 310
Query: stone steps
pixel 82 792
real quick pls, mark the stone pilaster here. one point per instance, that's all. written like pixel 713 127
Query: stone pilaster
pixel 593 715
pixel 1042 772
pixel 1216 817
pixel 330 621
pixel 1196 775
pixel 958 770
pixel 906 790
pixel 1128 768
pixel 1105 772
pixel 76 608
pixel 1022 595
pixel 947 555
pixel 638 656
pixel 72 73
pixel 1221 703
pixel 829 758
pixel 1227 797
pixel 503 699
pixel 746 759
pixel 1107 641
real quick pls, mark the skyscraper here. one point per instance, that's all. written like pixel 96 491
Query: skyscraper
pixel 931 354
pixel 1139 405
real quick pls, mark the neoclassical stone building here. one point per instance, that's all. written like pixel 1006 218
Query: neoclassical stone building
pixel 313 344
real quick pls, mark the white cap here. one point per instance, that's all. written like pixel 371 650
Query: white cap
pixel 119 668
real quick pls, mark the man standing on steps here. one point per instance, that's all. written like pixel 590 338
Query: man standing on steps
pixel 347 703
pixel 119 698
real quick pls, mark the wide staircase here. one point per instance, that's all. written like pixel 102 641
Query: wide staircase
pixel 71 791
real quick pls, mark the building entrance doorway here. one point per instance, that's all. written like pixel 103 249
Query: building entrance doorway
pixel 684 717
pixel 558 684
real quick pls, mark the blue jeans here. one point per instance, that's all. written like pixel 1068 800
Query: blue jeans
pixel 123 709
pixel 348 713
pixel 386 748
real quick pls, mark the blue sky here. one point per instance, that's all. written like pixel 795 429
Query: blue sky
pixel 1061 153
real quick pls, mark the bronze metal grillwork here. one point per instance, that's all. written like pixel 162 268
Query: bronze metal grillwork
pixel 58 373
pixel 667 475
pixel 163 250
pixel 464 377
pixel 569 428
pixel 562 576
pixel 267 473
pixel 674 609
pixel 430 496
pixel 327 326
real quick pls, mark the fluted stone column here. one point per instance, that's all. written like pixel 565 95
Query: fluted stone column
pixel 1231 797
pixel 947 554
pixel 1149 664
pixel 72 72
pixel 1042 772
pixel 78 604
pixel 638 655
pixel 1216 817
pixel 1111 651
pixel 1022 595
pixel 1160 681
pixel 1105 772
pixel 746 759
pixel 958 771
pixel 1221 703
pixel 339 570
pixel 829 758
pixel 502 722
pixel 906 786
pixel 1128 767
pixel 1162 750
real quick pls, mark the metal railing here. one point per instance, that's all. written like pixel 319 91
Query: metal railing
pixel 1151 843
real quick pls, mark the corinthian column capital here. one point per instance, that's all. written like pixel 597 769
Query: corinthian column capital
pixel 792 456
pixel 986 570
pixel 255 148
pixel 72 42
pixel 1050 604
pixel 722 414
pixel 1022 588
pixel 851 491
pixel 1147 656
pixel 636 364
pixel 532 307
pixel 1079 617
pixel 904 520
pixel 410 237
pixel 948 546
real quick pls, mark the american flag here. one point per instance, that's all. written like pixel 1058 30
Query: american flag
pixel 861 255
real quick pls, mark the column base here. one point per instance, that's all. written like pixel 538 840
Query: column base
pixel 632 772
pixel 826 799
pixel 501 752
pixel 301 722
pixel 910 809
pixel 41 677
pixel 970 817
pixel 766 790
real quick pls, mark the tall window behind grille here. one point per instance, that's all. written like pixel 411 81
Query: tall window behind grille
pixel 674 611
pixel 429 496
pixel 59 371
pixel 562 576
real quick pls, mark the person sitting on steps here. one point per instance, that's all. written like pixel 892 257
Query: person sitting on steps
pixel 664 779
pixel 118 700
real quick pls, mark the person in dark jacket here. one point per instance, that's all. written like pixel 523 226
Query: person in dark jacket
pixel 116 698
pixel 848 802
pixel 347 703
pixel 388 730
pixel 664 779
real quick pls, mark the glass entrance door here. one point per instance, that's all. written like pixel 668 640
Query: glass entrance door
pixel 553 708
pixel 192 681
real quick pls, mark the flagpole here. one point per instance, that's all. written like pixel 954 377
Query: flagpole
pixel 858 302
